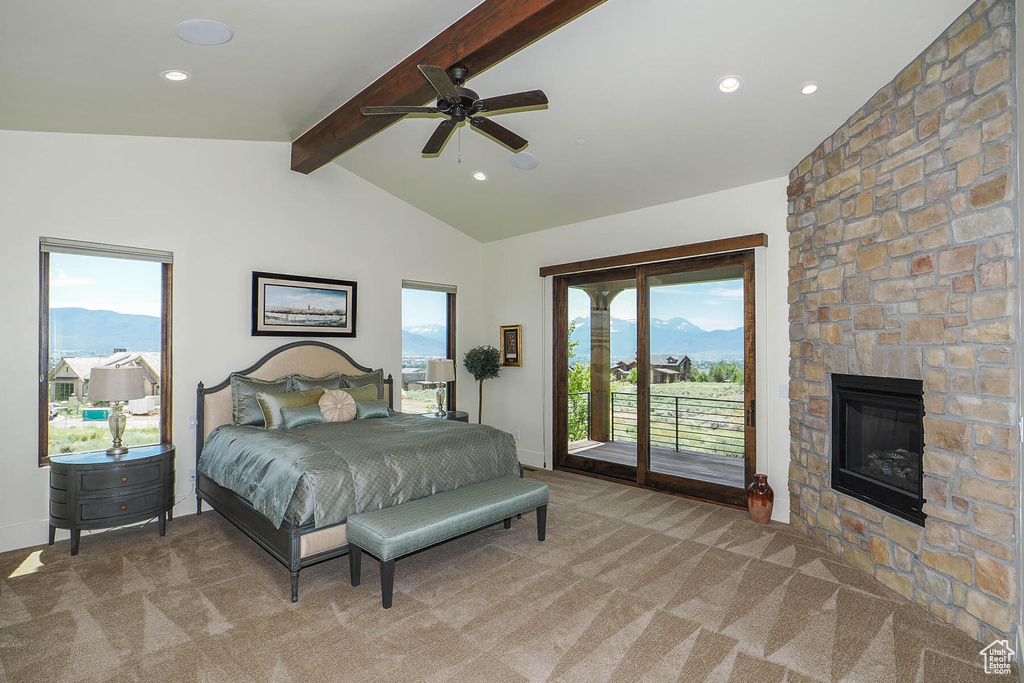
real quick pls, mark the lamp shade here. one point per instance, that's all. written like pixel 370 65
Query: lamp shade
pixel 441 370
pixel 116 384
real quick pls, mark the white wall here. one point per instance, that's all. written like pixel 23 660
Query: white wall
pixel 225 209
pixel 514 293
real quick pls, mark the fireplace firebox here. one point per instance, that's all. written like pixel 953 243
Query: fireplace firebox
pixel 878 442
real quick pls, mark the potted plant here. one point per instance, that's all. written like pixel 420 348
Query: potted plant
pixel 483 362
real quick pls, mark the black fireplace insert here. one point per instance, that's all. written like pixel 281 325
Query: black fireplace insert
pixel 878 442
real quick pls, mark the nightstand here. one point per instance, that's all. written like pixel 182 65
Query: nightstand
pixel 457 415
pixel 97 491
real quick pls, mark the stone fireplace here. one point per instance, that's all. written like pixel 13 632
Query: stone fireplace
pixel 904 266
pixel 878 442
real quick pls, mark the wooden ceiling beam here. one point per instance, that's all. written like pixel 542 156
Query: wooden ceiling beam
pixel 489 33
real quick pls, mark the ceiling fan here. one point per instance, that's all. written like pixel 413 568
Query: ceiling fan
pixel 459 104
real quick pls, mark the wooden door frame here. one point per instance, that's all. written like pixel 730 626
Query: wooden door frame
pixel 695 487
pixel 561 458
pixel 642 474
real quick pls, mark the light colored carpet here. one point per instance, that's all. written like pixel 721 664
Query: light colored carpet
pixel 629 585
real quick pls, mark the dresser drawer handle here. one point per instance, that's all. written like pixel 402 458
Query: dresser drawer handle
pixel 124 478
pixel 124 507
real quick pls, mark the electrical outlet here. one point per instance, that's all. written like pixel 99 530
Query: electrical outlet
pixel 517 435
pixel 192 421
pixel 192 475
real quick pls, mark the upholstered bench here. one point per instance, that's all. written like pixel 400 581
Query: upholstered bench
pixel 392 532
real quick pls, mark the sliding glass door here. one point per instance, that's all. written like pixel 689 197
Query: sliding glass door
pixel 655 375
pixel 600 342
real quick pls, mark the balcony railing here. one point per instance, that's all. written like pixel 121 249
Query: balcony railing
pixel 680 423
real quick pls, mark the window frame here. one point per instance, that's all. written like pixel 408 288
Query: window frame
pixel 451 292
pixel 59 246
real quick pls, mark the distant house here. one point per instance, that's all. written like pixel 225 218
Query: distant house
pixel 414 379
pixel 664 369
pixel 70 378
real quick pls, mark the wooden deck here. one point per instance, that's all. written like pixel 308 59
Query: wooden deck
pixel 719 469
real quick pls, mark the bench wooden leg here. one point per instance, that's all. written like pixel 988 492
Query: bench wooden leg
pixel 542 521
pixel 355 562
pixel 295 586
pixel 508 522
pixel 387 582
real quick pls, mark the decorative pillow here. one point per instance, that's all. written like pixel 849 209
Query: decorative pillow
pixel 271 404
pixel 362 394
pixel 245 408
pixel 337 406
pixel 302 383
pixel 304 415
pixel 365 411
pixel 376 378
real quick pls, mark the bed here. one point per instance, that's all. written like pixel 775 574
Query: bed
pixel 377 462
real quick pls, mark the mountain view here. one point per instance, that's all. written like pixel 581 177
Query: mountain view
pixel 424 341
pixel 674 336
pixel 82 332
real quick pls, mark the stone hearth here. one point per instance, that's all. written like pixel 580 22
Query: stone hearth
pixel 903 264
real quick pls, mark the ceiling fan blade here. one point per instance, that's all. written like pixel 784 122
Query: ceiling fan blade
pixel 438 78
pixel 530 98
pixel 499 133
pixel 400 110
pixel 440 136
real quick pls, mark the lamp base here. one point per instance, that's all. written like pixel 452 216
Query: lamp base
pixel 117 422
pixel 440 412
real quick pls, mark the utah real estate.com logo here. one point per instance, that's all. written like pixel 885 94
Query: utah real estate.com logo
pixel 997 657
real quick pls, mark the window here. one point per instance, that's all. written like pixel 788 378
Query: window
pixel 428 331
pixel 101 306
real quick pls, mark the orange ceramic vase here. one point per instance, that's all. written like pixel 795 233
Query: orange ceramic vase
pixel 760 499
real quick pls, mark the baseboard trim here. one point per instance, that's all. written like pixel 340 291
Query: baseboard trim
pixel 533 459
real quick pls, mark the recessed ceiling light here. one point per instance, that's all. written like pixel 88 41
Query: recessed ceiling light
pixel 581 141
pixel 729 84
pixel 480 175
pixel 175 75
pixel 808 88
pixel 523 161
pixel 204 32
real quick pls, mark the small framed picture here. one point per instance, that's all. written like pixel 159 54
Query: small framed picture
pixel 295 306
pixel 512 345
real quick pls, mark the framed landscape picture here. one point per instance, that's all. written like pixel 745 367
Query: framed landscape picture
pixel 295 306
pixel 512 345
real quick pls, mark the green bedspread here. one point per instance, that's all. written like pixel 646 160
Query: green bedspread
pixel 325 472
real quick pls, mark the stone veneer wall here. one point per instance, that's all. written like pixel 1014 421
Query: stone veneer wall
pixel 904 263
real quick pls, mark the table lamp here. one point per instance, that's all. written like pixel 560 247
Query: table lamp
pixel 440 371
pixel 116 384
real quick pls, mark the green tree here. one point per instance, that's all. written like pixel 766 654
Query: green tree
pixel 632 377
pixel 579 383
pixel 725 371
pixel 483 362
pixel 698 375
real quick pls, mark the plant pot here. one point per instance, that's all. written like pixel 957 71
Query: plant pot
pixel 760 499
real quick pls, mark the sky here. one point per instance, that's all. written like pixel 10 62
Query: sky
pixel 105 284
pixel 708 305
pixel 421 307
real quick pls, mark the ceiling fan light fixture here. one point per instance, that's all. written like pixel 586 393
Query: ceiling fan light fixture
pixel 808 88
pixel 176 75
pixel 204 32
pixel 524 161
pixel 729 84
pixel 480 175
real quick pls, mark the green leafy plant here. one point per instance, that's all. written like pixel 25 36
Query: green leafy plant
pixel 483 362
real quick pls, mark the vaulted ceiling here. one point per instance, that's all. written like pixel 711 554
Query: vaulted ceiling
pixel 634 78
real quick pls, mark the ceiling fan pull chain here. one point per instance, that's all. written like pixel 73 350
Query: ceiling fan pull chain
pixel 460 144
